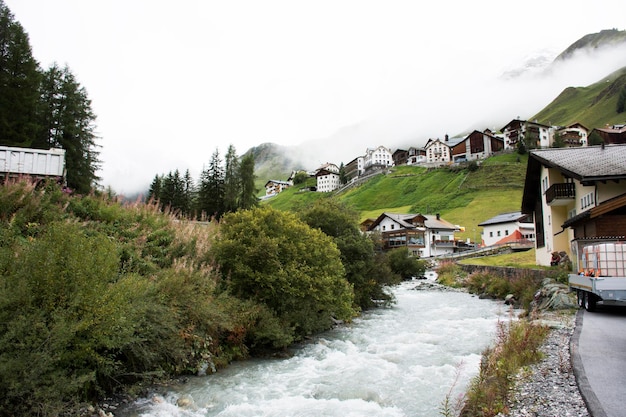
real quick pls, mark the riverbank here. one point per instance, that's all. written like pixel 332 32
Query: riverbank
pixel 548 388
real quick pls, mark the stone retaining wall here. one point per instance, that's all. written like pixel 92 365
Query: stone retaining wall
pixel 507 271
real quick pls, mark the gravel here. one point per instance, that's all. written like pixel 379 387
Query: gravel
pixel 549 388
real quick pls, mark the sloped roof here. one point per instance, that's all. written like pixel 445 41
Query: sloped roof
pixel 513 237
pixel 404 220
pixel 590 163
pixel 512 217
pixel 277 182
pixel 433 223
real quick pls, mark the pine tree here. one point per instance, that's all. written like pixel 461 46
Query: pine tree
pixel 211 189
pixel 247 197
pixel 188 195
pixel 343 178
pixel 232 181
pixel 19 83
pixel 154 193
pixel 621 100
pixel 67 122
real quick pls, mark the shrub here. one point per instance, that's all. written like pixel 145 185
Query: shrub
pixel 522 286
pixel 404 265
pixel 273 258
pixel 517 345
pixel 450 274
pixel 59 326
pixel 363 267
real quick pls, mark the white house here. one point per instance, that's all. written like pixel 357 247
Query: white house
pixel 379 157
pixel 327 177
pixel 423 235
pixel 512 228
pixel 437 151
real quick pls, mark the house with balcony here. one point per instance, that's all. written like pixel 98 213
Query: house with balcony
pixel 377 158
pixel 438 151
pixel 416 156
pixel 515 229
pixel 423 235
pixel 575 194
pixel 573 135
pixel 354 168
pixel 533 134
pixel 273 187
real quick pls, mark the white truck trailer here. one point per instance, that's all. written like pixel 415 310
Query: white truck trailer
pixel 601 277
pixel 38 163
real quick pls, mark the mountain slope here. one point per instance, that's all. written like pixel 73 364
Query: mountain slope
pixel 593 106
pixel 594 41
pixel 272 162
pixel 461 196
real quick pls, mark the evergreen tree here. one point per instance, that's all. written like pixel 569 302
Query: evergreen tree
pixel 595 139
pixel 173 192
pixel 211 189
pixel 248 198
pixel 559 142
pixel 154 193
pixel 19 83
pixel 343 178
pixel 188 194
pixel 621 100
pixel 232 181
pixel 67 122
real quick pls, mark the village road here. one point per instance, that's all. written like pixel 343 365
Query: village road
pixel 599 359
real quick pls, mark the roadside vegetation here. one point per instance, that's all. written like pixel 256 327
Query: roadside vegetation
pixel 99 297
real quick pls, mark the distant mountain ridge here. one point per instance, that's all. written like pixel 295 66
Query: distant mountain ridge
pixel 594 41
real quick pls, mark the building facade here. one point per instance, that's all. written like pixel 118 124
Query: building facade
pixel 575 193
pixel 423 235
pixel 513 228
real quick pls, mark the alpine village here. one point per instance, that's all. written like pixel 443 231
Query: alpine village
pixel 107 299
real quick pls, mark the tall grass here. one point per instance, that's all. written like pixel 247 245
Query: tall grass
pixel 517 345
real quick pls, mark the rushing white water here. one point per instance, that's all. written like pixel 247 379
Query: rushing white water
pixel 400 361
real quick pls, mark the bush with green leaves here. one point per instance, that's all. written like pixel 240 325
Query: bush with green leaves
pixel 368 272
pixel 62 318
pixel 273 258
pixel 404 265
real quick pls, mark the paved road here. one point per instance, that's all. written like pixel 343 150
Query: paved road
pixel 599 358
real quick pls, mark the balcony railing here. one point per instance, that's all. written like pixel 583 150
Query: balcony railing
pixel 560 193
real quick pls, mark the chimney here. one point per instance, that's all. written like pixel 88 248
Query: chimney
pixel 446 137
pixel 438 216
pixel 602 145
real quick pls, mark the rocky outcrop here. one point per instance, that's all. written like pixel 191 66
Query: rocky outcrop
pixel 554 296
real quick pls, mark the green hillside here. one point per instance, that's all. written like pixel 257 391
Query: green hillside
pixel 593 106
pixel 461 196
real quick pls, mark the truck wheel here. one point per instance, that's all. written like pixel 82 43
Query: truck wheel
pixel 590 302
pixel 580 298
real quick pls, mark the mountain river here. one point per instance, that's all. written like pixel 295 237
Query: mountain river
pixel 399 361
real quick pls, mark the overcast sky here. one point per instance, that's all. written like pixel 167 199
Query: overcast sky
pixel 171 81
